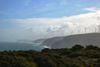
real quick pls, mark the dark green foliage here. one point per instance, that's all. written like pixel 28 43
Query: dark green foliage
pixel 77 56
pixel 77 47
pixel 45 50
pixel 91 47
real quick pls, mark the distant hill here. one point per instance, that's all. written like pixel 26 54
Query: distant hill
pixel 69 41
pixel 39 41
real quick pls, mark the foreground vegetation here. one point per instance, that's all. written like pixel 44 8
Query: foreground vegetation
pixel 77 56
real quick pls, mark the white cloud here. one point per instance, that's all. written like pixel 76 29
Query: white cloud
pixel 91 9
pixel 35 28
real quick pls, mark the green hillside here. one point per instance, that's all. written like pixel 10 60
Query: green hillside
pixel 77 56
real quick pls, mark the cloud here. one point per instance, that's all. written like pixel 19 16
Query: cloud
pixel 91 9
pixel 35 28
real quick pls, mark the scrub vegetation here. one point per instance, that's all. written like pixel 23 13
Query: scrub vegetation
pixel 77 56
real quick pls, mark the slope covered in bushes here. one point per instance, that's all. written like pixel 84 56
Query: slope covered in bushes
pixel 77 56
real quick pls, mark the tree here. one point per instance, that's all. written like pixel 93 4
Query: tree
pixel 77 47
pixel 45 50
pixel 91 47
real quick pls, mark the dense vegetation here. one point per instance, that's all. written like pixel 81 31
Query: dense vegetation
pixel 77 56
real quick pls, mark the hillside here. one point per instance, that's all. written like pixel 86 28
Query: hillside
pixel 68 41
pixel 77 56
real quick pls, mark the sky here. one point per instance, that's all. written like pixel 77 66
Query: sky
pixel 43 8
pixel 34 19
